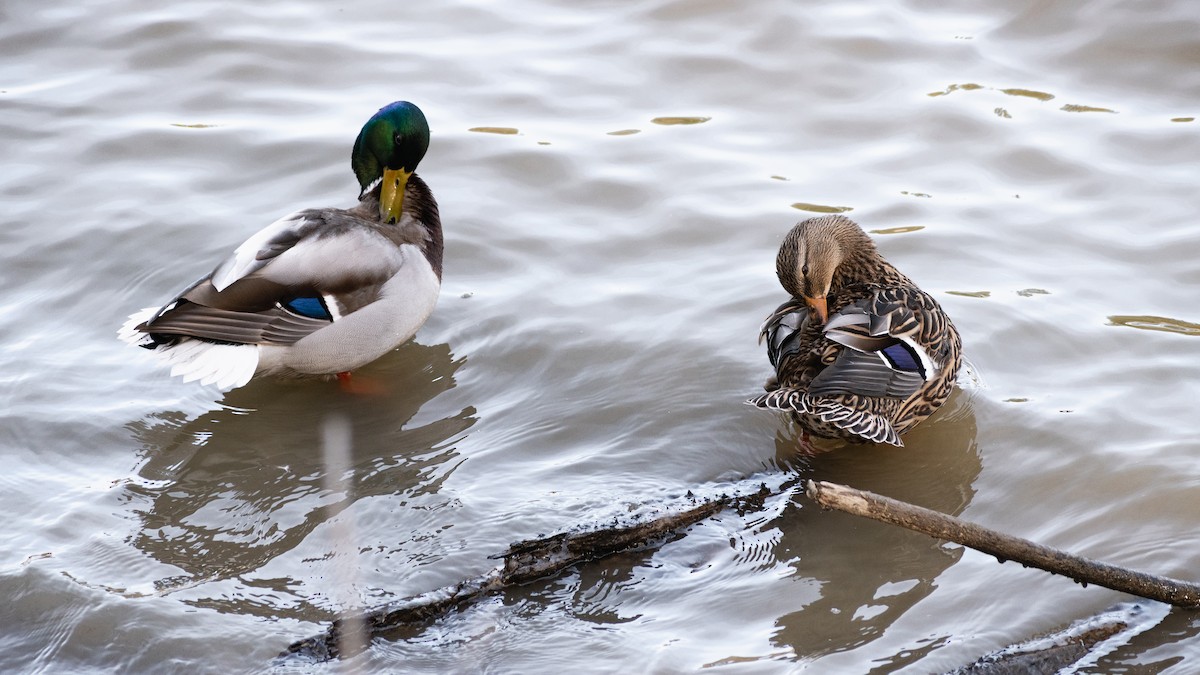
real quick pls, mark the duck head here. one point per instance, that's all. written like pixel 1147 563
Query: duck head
pixel 387 152
pixel 811 254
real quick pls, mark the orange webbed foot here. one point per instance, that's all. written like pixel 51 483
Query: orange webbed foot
pixel 363 386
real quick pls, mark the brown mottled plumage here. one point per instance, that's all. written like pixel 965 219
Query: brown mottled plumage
pixel 860 353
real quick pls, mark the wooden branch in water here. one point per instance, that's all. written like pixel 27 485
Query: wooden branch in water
pixel 1054 652
pixel 524 561
pixel 1003 546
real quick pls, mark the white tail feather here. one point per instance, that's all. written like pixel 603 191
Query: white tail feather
pixel 128 332
pixel 224 365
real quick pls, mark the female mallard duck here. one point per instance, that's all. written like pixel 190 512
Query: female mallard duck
pixel 860 353
pixel 321 291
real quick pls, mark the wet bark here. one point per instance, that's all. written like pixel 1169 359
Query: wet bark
pixel 1004 547
pixel 1051 653
pixel 1042 659
pixel 529 560
pixel 524 561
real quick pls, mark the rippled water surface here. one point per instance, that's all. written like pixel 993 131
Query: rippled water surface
pixel 615 179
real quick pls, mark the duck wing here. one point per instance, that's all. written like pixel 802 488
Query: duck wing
pixel 883 353
pixel 881 347
pixel 281 284
pixel 783 329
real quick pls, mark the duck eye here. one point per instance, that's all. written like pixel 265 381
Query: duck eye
pixel 804 269
pixel 397 138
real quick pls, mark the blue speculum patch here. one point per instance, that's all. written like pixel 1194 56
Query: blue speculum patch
pixel 313 308
pixel 901 356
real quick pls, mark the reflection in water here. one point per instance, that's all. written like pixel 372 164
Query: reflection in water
pixel 671 121
pixel 1023 93
pixel 1151 651
pixel 969 86
pixel 228 492
pixel 821 208
pixel 1160 323
pixel 869 573
pixel 503 131
pixel 1073 107
pixel 1028 93
pixel 851 578
pixel 904 229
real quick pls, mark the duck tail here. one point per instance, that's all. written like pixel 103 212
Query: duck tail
pixel 864 424
pixel 783 399
pixel 228 366
pixel 129 333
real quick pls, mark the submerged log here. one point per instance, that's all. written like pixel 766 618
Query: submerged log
pixel 1051 653
pixel 529 560
pixel 1004 547
pixel 524 561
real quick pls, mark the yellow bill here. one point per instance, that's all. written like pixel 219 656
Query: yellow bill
pixel 391 195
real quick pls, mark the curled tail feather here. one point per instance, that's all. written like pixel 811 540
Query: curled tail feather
pixel 864 424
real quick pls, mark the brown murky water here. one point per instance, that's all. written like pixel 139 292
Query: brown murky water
pixel 614 181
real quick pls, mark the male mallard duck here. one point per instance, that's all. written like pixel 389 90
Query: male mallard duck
pixel 860 353
pixel 321 291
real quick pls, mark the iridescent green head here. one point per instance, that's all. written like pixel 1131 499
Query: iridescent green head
pixel 387 152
